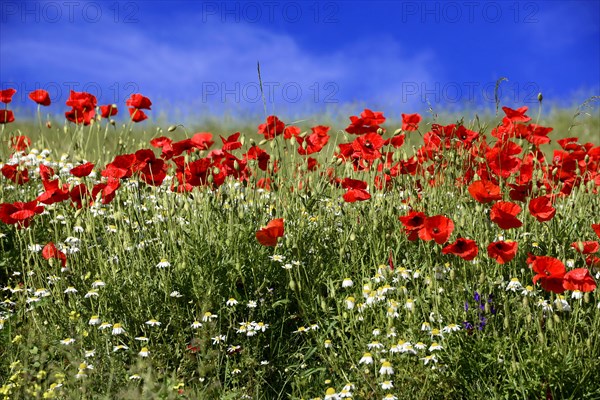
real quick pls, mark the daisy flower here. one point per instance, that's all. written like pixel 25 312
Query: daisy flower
pixel 117 329
pixel 153 322
pixel 347 282
pixel 163 263
pixel 367 358
pixel 386 385
pixel 67 341
pixel 94 320
pixel 196 324
pixel 231 302
pixel 208 316
pixel 144 352
pixel 386 368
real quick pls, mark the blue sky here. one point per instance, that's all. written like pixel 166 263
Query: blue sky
pixel 201 56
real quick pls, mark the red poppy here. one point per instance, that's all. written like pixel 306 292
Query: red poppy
pixel 579 279
pixel 438 228
pixel 107 190
pixel 6 95
pixel 120 167
pixel 464 248
pixel 395 141
pixel 268 235
pixel 231 143
pixel 517 115
pixel 6 116
pixel 202 140
pixel 541 208
pixel 368 146
pixel 12 172
pixel 138 101
pixel 82 170
pixel 152 170
pixel 291 131
pixel 51 252
pixel 40 96
pixel 19 213
pixel 550 272
pixel 83 107
pixel 314 142
pixel 53 193
pixel 596 228
pixel 413 223
pixel 504 214
pixel 589 247
pixel 108 111
pixel 410 122
pixel 78 194
pixel 369 121
pixel 502 251
pixel 46 173
pixel 273 127
pixel 20 143
pixel 137 115
pixel 485 191
pixel 356 190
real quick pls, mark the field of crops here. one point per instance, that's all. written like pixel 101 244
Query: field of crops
pixel 417 259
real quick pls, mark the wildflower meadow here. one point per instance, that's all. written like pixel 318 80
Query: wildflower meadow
pixel 398 256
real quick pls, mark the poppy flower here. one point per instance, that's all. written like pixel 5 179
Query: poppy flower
pixel 107 190
pixel 46 173
pixel 256 153
pixel 504 214
pixel 51 252
pixel 291 131
pixel 464 248
pixel 40 96
pixel 120 167
pixel 19 213
pixel 6 95
pixel 20 143
pixel 268 235
pixel 78 194
pixel 108 111
pixel 395 141
pixel 438 228
pixel 541 208
pixel 12 172
pixel 410 122
pixel 231 143
pixel 356 190
pixel 596 228
pixel 485 191
pixel 82 170
pixel 137 115
pixel 413 223
pixel 579 279
pixel 6 116
pixel 202 140
pixel 138 101
pixel 502 251
pixel 368 146
pixel 273 127
pixel 83 107
pixel 53 193
pixel 550 272
pixel 517 115
pixel 589 247
pixel 314 142
pixel 368 122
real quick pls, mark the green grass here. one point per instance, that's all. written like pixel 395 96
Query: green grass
pixel 313 342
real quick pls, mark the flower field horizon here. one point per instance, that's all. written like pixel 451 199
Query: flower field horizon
pixel 397 256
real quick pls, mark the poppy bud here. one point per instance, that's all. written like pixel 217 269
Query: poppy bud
pixel 172 128
pixel 272 144
pixel 397 131
pixel 112 122
pixel 292 284
pixel 339 161
pixel 304 145
pixel 236 165
pixel 396 156
pixel 506 322
pixel 526 304
pixel 262 142
pixel 380 131
pixel 556 319
pixel 65 129
pixel 540 97
pixel 49 125
pixel 550 324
